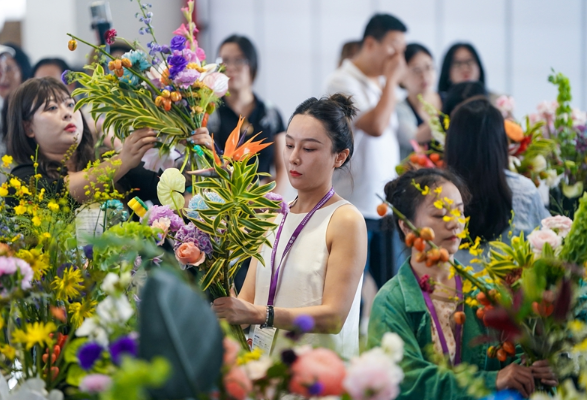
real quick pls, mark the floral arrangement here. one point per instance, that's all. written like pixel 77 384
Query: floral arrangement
pixel 167 87
pixel 530 293
pixel 312 372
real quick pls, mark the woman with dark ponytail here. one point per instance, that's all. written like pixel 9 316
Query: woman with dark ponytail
pixel 319 249
pixel 418 303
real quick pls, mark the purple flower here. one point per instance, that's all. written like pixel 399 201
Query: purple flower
pixel 276 197
pixel 316 389
pixel 176 64
pixel 288 356
pixel 177 43
pixel 88 354
pixel 304 323
pixel 157 212
pixel 89 251
pixel 124 345
pixel 186 78
pixel 64 77
pixel 190 233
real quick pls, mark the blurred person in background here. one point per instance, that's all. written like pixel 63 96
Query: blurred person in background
pixel 349 50
pixel 418 81
pixel 53 67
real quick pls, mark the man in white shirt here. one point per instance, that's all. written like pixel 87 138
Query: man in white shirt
pixel 371 77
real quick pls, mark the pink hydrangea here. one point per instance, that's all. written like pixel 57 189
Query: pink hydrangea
pixel 538 238
pixel 373 376
pixel 95 383
pixel 318 367
pixel 9 266
pixel 560 224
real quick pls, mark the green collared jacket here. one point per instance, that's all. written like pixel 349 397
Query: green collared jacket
pixel 399 307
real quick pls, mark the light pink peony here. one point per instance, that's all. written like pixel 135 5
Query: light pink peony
pixel 95 383
pixel 231 349
pixel 547 109
pixel 189 254
pixel 237 384
pixel 218 82
pixel 560 224
pixel 579 117
pixel 505 104
pixel 373 376
pixel 321 366
pixel 537 239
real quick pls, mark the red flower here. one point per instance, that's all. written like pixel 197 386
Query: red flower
pixel 426 284
pixel 110 36
pixel 499 319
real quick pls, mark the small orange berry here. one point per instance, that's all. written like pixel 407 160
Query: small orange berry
pixel 431 263
pixel 502 355
pixel 175 96
pixel 419 244
pixel 410 237
pixel 491 352
pixel 158 101
pixel 427 234
pixel 414 158
pixel 72 45
pixel 382 209
pixel 509 348
pixel 119 72
pixel 111 66
pixel 166 104
pixel 126 63
pixel 434 255
pixel 459 317
pixel 444 256
pixel 480 313
pixel 421 257
pixel 434 157
pixel 117 64
pixel 165 93
pixel 482 298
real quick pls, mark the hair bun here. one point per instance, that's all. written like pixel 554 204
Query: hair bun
pixel 345 103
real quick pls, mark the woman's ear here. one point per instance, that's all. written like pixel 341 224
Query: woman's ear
pixel 341 158
pixel 28 129
pixel 404 227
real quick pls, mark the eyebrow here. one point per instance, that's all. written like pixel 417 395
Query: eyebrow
pixel 304 140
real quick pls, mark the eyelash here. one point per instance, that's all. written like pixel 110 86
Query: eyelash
pixel 290 146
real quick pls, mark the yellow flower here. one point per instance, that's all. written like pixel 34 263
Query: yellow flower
pixel 69 285
pixel 471 302
pixel 438 190
pixel 38 261
pixel 41 194
pixel 448 201
pixel 447 218
pixel 451 273
pixel 463 235
pixel 80 311
pixel 19 209
pixel 23 190
pixel 426 190
pixel 250 356
pixel 6 161
pixel 8 351
pixel 576 326
pixel 36 333
pixel 446 122
pixel 475 250
pixel 15 183
pixel 467 286
pixel 36 220
pixel 3 191
pixel 455 212
pixel 462 220
pixel 438 204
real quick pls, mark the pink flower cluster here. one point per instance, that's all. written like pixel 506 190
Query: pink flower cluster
pixel 10 265
pixel 554 229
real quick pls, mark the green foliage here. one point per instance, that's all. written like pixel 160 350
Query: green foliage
pixel 134 377
pixel 504 258
pixel 575 247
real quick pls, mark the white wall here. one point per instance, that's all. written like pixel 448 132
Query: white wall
pixel 299 40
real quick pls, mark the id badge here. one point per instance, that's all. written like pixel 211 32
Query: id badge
pixel 88 222
pixel 264 339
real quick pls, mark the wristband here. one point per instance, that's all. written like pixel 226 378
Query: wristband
pixel 269 316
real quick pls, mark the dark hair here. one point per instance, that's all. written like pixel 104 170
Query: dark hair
pixel 336 114
pixel 404 196
pixel 24 102
pixel 380 24
pixel 444 82
pixel 349 49
pixel 477 149
pixel 248 49
pixel 22 60
pixel 120 46
pixel 4 119
pixel 460 92
pixel 58 62
pixel 414 48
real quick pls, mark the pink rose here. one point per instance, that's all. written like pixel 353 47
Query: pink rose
pixel 237 384
pixel 505 104
pixel 189 254
pixel 95 383
pixel 537 239
pixel 560 224
pixel 319 367
pixel 218 82
pixel 373 376
pixel 231 349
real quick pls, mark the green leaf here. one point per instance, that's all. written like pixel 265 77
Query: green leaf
pixel 177 324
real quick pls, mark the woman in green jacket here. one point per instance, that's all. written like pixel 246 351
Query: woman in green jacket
pixel 407 304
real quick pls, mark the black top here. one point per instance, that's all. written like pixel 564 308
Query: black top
pixel 143 181
pixel 264 119
pixel 419 120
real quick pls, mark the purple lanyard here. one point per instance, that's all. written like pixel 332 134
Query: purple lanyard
pixel 294 236
pixel 458 329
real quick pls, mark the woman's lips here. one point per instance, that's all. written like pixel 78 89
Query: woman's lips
pixel 70 128
pixel 294 173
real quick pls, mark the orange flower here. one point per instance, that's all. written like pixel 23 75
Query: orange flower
pixel 165 77
pixel 247 149
pixel 514 131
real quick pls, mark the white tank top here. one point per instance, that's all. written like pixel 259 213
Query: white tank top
pixel 302 277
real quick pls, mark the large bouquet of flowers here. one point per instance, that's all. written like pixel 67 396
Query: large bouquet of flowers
pixel 167 87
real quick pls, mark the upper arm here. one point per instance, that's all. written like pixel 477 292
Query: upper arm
pixel 346 239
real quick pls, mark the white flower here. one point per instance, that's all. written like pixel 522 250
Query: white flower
pixel 109 283
pixel 257 369
pixel 393 344
pixel 94 331
pixel 513 163
pixel 156 159
pixel 539 163
pixel 552 178
pixel 579 117
pixel 559 223
pixel 170 189
pixel 572 191
pixel 114 310
pixel 218 82
pixel 373 376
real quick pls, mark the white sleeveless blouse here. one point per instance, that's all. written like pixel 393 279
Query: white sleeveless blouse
pixel 302 277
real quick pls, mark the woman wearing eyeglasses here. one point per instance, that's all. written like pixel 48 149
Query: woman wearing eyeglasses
pixel 239 56
pixel 418 80
pixel 462 64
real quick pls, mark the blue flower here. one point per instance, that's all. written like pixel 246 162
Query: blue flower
pixel 138 59
pixel 197 203
pixel 124 345
pixel 178 43
pixel 316 389
pixel 64 77
pixel 176 65
pixel 89 251
pixel 304 323
pixel 88 354
pixel 504 395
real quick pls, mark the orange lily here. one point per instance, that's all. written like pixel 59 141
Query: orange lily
pixel 247 149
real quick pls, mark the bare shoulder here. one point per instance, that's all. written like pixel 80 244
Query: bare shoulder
pixel 347 219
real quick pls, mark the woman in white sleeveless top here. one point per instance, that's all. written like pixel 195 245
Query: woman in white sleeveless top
pixel 320 276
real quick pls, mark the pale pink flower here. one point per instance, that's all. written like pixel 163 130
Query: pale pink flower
pixel 163 224
pixel 189 254
pixel 237 384
pixel 7 266
pixel 95 383
pixel 156 159
pixel 200 53
pixel 534 118
pixel 27 273
pixel 579 117
pixel 257 369
pixel 547 108
pixel 559 224
pixel 218 82
pixel 231 349
pixel 538 238
pixel 505 104
pixel 319 366
pixel 373 376
pixel 182 31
